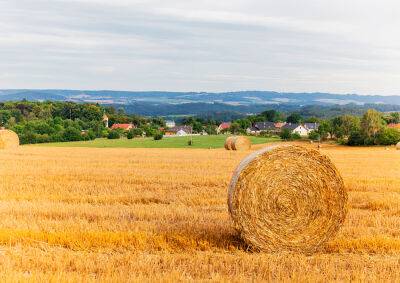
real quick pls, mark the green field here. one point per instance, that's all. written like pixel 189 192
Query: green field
pixel 169 142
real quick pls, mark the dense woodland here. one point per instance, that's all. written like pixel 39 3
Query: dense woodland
pixel 40 122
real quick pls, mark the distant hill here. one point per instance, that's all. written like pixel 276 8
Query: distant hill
pixel 203 103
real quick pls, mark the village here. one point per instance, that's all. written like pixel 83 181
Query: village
pixel 342 129
pixel 171 129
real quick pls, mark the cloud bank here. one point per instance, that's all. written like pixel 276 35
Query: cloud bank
pixel 311 45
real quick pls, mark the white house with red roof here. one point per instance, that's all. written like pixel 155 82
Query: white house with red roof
pixel 224 126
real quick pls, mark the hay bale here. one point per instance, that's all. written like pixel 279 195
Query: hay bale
pixel 287 198
pixel 228 143
pixel 240 143
pixel 8 139
pixel 398 146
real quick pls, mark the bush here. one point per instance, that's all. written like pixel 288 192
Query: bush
pixel 137 132
pixel 314 135
pixel 158 136
pixel 388 136
pixel 129 135
pixel 113 135
pixel 295 136
pixel 285 134
pixel 356 138
pixel 72 134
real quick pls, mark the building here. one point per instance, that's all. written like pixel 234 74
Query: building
pixel 269 127
pixel 311 126
pixel 279 125
pixel 223 127
pixel 170 124
pixel 265 126
pixel 297 128
pixel 179 131
pixel 125 127
pixel 105 120
pixel 394 126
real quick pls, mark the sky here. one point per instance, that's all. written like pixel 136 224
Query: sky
pixel 336 46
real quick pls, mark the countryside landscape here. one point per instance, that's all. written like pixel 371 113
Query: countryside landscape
pixel 119 214
pixel 113 208
pixel 199 141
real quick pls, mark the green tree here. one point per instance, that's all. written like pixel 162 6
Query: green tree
pixel 114 135
pixel 314 135
pixel 285 134
pixel 395 117
pixel 272 115
pixel 294 118
pixel 325 129
pixel 72 134
pixel 235 128
pixel 158 136
pixel 343 126
pixel 371 125
pixel 388 136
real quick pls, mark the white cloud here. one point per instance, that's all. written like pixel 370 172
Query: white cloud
pixel 289 45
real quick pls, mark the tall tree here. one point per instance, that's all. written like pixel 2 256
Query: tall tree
pixel 344 125
pixel 371 124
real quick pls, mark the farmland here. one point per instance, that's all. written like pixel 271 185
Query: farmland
pixel 212 141
pixel 119 214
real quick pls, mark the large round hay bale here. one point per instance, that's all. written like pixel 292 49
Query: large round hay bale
pixel 228 143
pixel 241 143
pixel 8 139
pixel 287 198
pixel 398 146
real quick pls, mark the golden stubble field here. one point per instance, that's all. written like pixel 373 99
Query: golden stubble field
pixel 79 214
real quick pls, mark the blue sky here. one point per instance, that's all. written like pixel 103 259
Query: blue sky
pixel 289 45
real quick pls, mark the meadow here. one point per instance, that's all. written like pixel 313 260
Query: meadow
pixel 211 141
pixel 127 214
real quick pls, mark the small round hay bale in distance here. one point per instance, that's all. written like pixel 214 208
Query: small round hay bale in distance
pixel 398 146
pixel 228 143
pixel 8 139
pixel 241 143
pixel 287 198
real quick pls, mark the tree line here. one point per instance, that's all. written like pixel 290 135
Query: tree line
pixel 42 122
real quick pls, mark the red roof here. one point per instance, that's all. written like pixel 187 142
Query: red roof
pixel 224 126
pixel 394 126
pixel 279 124
pixel 122 126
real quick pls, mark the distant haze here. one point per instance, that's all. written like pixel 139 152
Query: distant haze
pixel 289 45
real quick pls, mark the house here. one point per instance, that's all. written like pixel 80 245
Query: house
pixel 170 124
pixel 125 127
pixel 265 126
pixel 179 131
pixel 394 126
pixel 311 126
pixel 279 125
pixel 223 127
pixel 269 127
pixel 296 128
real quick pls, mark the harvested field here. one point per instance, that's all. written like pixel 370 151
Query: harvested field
pixel 119 214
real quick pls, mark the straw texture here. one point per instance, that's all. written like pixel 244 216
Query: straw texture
pixel 241 143
pixel 8 139
pixel 287 198
pixel 237 143
pixel 228 143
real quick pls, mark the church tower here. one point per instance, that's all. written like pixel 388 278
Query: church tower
pixel 105 120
